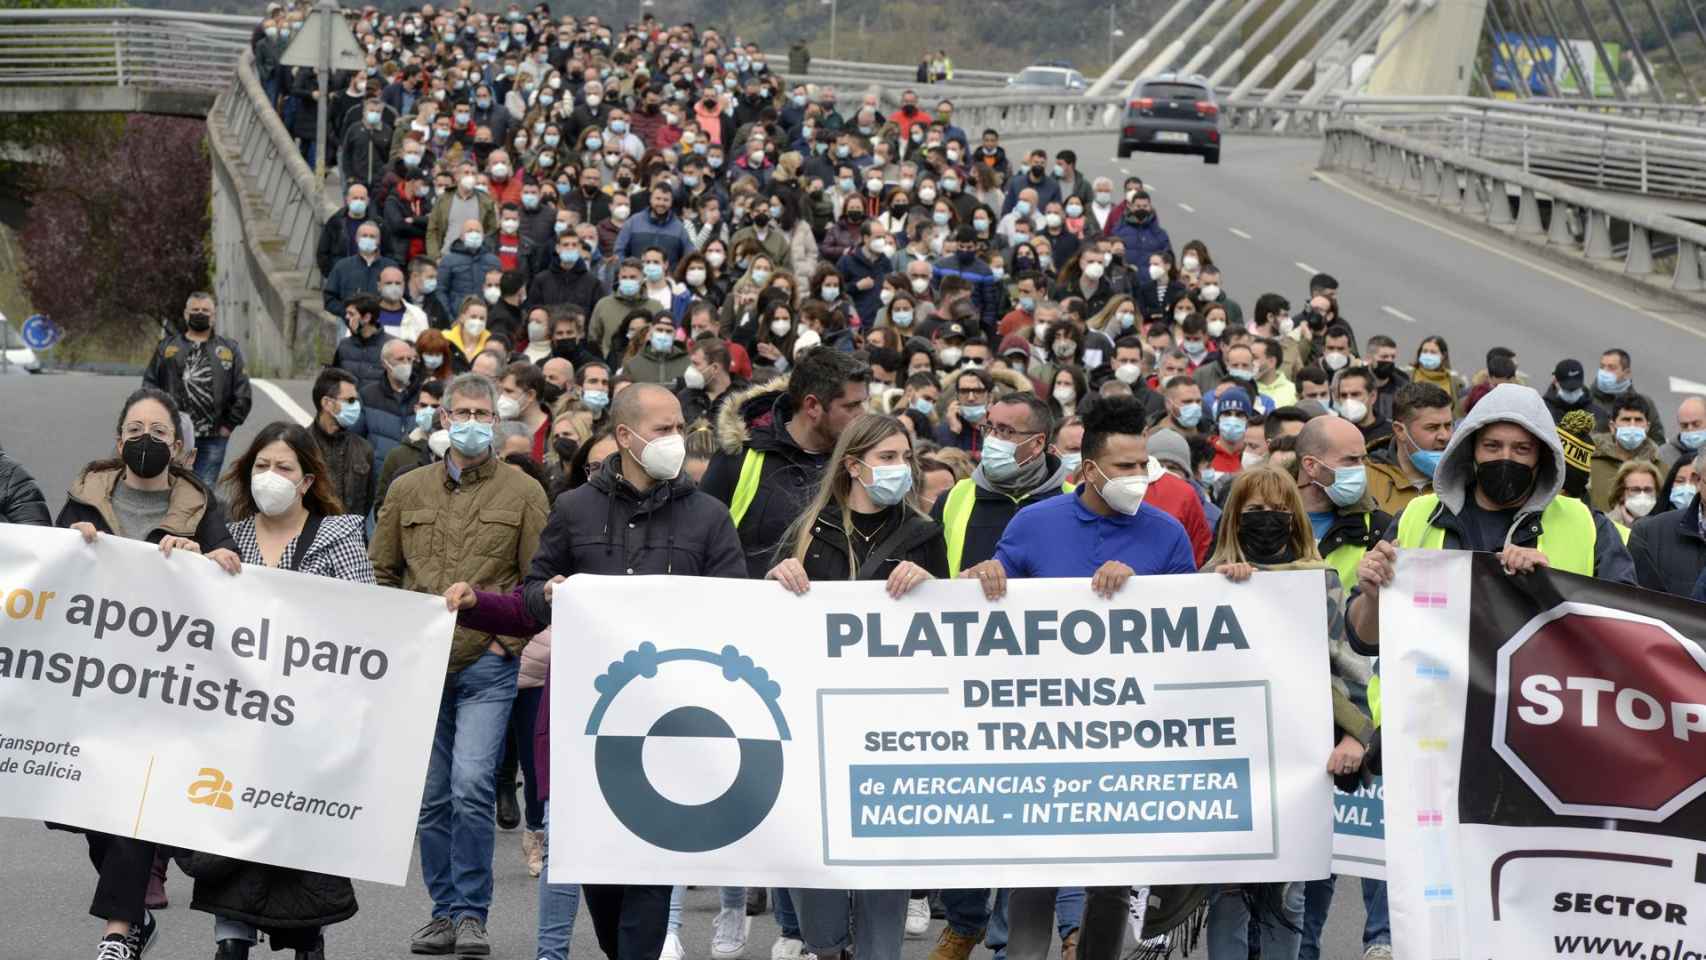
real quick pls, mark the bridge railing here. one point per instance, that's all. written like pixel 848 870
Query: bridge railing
pixel 1546 211
pixel 1605 151
pixel 121 48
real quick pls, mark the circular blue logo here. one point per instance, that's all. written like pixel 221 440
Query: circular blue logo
pixel 619 758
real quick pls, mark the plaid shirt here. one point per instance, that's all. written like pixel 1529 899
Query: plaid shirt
pixel 339 550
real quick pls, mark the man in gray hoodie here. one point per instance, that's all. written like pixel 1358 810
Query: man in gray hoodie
pixel 1496 490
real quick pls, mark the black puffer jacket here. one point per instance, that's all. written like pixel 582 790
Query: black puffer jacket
pixel 757 421
pixel 266 896
pixel 350 460
pixel 605 526
pixel 1668 549
pixel 20 499
pixel 919 540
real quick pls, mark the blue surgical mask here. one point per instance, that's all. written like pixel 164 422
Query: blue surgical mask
pixel 973 412
pixel 1607 382
pixel 1349 485
pixel 424 418
pixel 889 484
pixel 1000 461
pixel 471 438
pixel 1691 439
pixel 1570 396
pixel 1242 374
pixel 1232 428
pixel 653 271
pixel 349 413
pixel 1430 361
pixel 429 285
pixel 662 342
pixel 1426 461
pixel 595 399
pixel 628 287
pixel 358 208
pixel 1631 438
pixel 1071 461
pixel 901 318
pixel 1190 414
pixel 1681 496
pixel 923 406
pixel 1022 208
pixel 570 257
pixel 940 218
pixel 1028 304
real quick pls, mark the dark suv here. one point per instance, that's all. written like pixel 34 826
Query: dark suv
pixel 1172 114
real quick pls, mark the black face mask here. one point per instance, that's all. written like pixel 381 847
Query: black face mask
pixel 1383 369
pixel 550 395
pixel 1036 171
pixel 146 456
pixel 564 448
pixel 1505 482
pixel 1265 536
pixel 199 322
pixel 563 348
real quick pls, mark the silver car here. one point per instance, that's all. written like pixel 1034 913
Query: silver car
pixel 18 358
pixel 1048 80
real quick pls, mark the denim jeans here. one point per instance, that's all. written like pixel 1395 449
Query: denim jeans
pixel 732 898
pixel 458 808
pixel 1229 925
pixel 1034 914
pixel 782 905
pixel 210 458
pixel 558 904
pixel 878 917
pixel 1317 900
pixel 1377 927
pixel 968 911
pixel 523 720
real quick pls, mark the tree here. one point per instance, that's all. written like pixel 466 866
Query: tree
pixel 117 231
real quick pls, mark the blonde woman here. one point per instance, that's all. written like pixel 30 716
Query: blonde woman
pixel 1264 526
pixel 1634 493
pixel 865 523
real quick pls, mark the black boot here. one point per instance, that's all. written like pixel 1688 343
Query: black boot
pixel 318 953
pixel 757 901
pixel 232 950
pixel 509 813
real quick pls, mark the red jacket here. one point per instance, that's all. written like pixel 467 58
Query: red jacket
pixel 1179 499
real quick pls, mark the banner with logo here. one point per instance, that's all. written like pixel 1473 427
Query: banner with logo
pixel 1545 741
pixel 272 716
pixel 714 731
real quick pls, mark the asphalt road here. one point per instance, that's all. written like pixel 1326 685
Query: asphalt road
pixel 1270 222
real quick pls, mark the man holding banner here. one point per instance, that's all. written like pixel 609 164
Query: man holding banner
pixel 1496 489
pixel 1107 533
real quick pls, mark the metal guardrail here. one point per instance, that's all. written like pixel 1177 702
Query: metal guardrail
pixel 1547 211
pixel 154 49
pixel 1606 151
pixel 283 181
pixel 855 70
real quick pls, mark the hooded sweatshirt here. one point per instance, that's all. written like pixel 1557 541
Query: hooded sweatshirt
pixel 1468 527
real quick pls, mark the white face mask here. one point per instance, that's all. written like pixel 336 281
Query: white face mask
pixel 1124 494
pixel 692 379
pixel 1216 328
pixel 1157 272
pixel 662 458
pixel 1093 270
pixel 920 284
pixel 695 277
pixel 535 331
pixel 473 327
pixel 1190 263
pixel 1127 373
pixel 1639 504
pixel 439 443
pixel 780 328
pixel 1065 396
pixel 1353 410
pixel 508 408
pixel 493 294
pixel 272 493
pixel 1336 361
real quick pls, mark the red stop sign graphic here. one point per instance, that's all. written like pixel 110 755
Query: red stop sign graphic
pixel 1603 713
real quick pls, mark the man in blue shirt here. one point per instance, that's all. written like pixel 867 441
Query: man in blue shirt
pixel 1104 531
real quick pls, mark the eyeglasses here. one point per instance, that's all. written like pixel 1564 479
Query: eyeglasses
pixel 1004 432
pixel 977 394
pixel 135 431
pixel 464 415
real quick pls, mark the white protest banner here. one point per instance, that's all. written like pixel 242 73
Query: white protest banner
pixel 272 716
pixel 1359 831
pixel 729 732
pixel 1544 765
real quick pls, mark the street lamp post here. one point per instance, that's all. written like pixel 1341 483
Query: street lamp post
pixel 832 5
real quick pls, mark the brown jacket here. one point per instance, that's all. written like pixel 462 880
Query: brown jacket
pixel 1608 458
pixel 434 532
pixel 1392 488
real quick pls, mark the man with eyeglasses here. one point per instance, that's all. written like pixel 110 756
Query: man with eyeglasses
pixel 467 518
pixel 962 423
pixel 203 372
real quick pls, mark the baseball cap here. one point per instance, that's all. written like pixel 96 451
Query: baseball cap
pixel 1013 343
pixel 1569 374
pixel 953 330
pixel 1232 401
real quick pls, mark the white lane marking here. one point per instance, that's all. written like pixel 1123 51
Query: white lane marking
pixel 282 400
pixel 1306 268
pixel 1330 181
pixel 1187 208
pixel 1394 311
pixel 1238 233
pixel 1679 385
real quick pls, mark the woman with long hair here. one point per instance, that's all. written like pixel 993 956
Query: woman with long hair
pixel 286 515
pixel 1433 365
pixel 1264 526
pixel 142 493
pixel 865 522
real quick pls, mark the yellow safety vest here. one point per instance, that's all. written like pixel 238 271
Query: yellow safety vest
pixel 1567 538
pixel 746 488
pixel 1622 531
pixel 956 516
pixel 1345 558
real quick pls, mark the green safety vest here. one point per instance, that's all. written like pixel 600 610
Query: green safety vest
pixel 746 488
pixel 1567 538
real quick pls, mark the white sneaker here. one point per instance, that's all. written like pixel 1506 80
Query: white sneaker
pixel 1378 951
pixel 917 918
pixel 672 948
pixel 729 932
pixel 788 948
